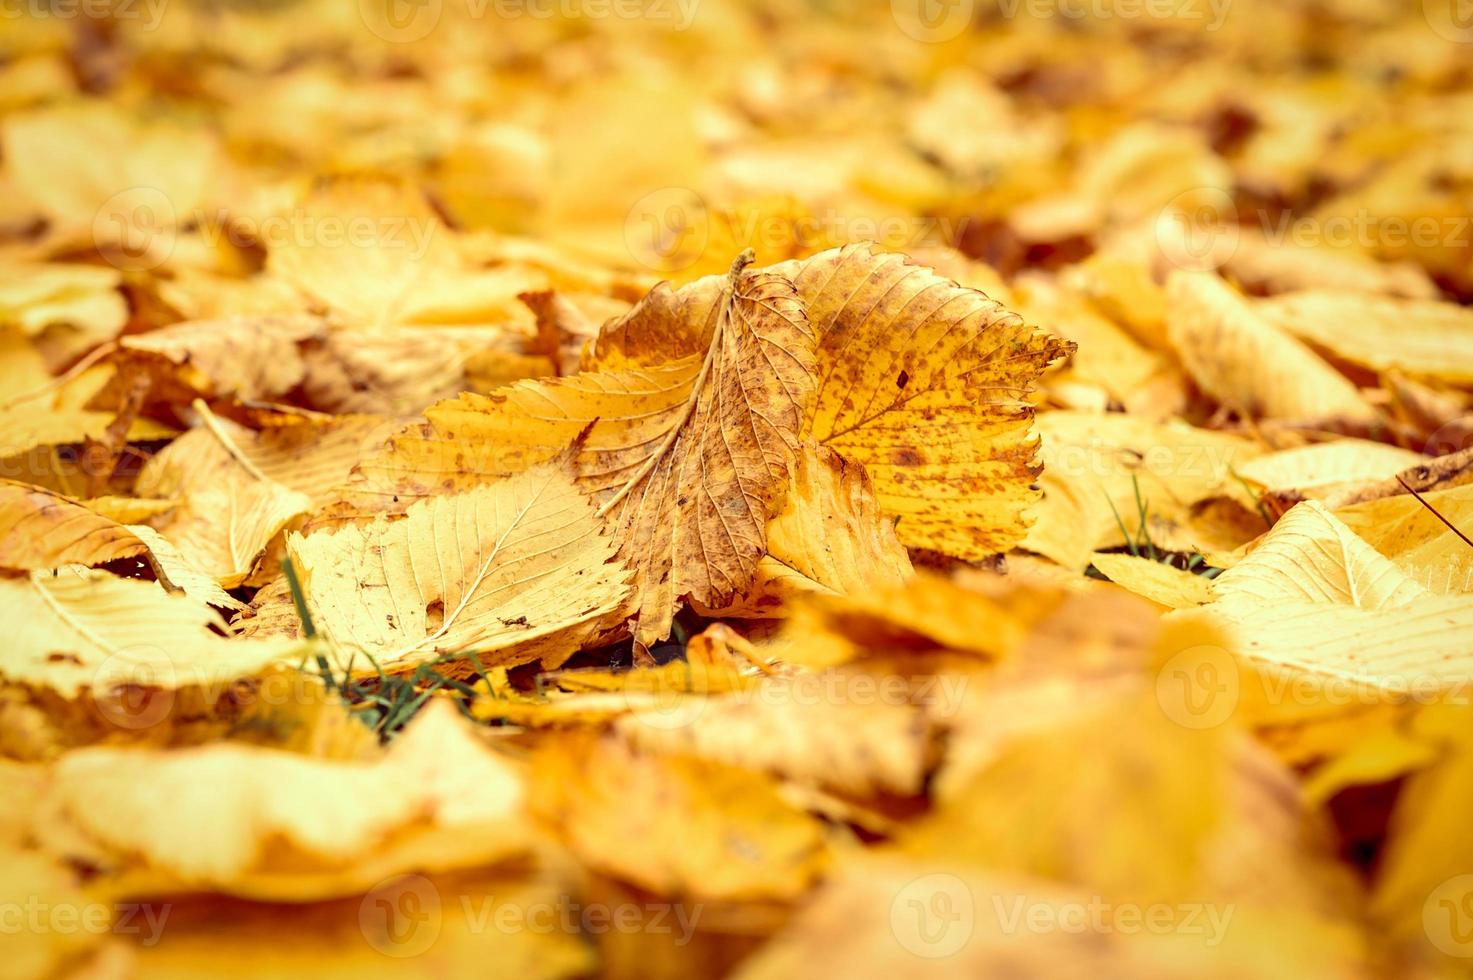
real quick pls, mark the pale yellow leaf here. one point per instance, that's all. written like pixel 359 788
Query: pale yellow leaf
pixel 1419 336
pixel 1244 361
pixel 265 824
pixel 510 571
pixel 686 436
pixel 1311 556
pixel 1093 465
pixel 77 631
pixel 829 536
pixel 1164 584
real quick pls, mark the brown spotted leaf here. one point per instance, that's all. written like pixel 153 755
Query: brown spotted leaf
pixel 925 383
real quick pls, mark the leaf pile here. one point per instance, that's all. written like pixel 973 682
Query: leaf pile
pixel 709 489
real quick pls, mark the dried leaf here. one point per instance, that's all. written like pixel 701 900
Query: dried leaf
pixel 268 824
pixel 686 458
pixel 1246 362
pixel 924 383
pixel 509 572
pixel 41 529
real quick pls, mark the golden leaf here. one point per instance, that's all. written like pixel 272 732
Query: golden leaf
pixel 924 383
pixel 686 456
pixel 374 252
pixel 41 529
pixel 67 308
pixel 1099 469
pixel 677 825
pixel 268 824
pixel 78 632
pixel 1171 587
pixel 1246 362
pixel 1407 531
pixel 511 572
pixel 1421 337
pixel 248 358
pixel 1311 556
pixel 40 411
pixel 1324 470
pixel 829 536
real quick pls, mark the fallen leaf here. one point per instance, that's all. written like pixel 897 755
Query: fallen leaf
pixel 40 529
pixel 1247 363
pixel 924 383
pixel 676 825
pixel 510 572
pixel 267 824
pixel 686 456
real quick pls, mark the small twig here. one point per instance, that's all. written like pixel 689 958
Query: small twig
pixel 1421 500
pixel 213 424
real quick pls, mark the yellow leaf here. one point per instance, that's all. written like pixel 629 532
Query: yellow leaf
pixel 1311 556
pixel 924 383
pixel 887 916
pixel 41 529
pixel 50 948
pixel 1246 362
pixel 224 527
pixel 267 824
pixel 248 358
pixel 1421 337
pixel 498 924
pixel 926 613
pixel 829 536
pixel 136 183
pixel 70 308
pixel 840 730
pixel 686 436
pixel 677 825
pixel 38 412
pixel 76 632
pixel 1138 820
pixel 376 253
pixel 1167 585
pixel 512 571
pixel 1323 470
pixel 1093 465
pixel 1407 531
pixel 1424 884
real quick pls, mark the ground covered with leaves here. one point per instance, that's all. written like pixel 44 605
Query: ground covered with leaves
pixel 695 488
